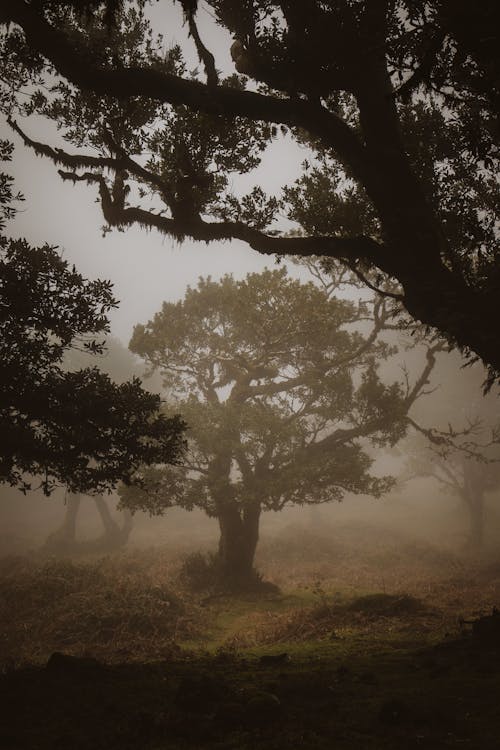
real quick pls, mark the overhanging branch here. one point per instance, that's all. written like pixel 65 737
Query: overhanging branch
pixel 73 61
pixel 204 231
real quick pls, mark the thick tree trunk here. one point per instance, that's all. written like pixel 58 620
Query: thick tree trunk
pixel 239 534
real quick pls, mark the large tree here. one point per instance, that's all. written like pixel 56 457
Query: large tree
pixel 397 101
pixel 278 383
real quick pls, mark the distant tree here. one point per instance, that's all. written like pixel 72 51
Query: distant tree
pixel 462 450
pixel 467 476
pixel 280 390
pixel 118 362
pixel 397 103
pixel 114 534
pixel 75 428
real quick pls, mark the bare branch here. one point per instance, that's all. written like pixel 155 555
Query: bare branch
pixel 361 276
pixel 58 156
pixel 204 54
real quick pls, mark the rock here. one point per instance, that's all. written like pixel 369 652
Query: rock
pixel 487 628
pixel 66 664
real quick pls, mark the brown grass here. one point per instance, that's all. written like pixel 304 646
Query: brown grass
pixel 132 606
pixel 118 609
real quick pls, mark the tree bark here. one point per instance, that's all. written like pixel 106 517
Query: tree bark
pixel 114 535
pixel 64 538
pixel 476 511
pixel 239 535
pixel 473 495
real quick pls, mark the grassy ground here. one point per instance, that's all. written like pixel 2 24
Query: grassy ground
pixel 361 649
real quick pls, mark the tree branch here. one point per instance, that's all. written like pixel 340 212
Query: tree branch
pixel 423 71
pixel 361 276
pixel 203 231
pixel 76 64
pixel 204 54
pixel 58 156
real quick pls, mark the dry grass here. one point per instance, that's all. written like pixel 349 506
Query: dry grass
pixel 420 591
pixel 117 609
pixel 132 606
pixel 355 557
pixel 378 616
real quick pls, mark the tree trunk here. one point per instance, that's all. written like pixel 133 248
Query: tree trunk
pixel 474 498
pixel 476 511
pixel 68 528
pixel 64 538
pixel 239 534
pixel 114 535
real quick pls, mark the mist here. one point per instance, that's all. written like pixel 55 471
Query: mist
pixel 249 369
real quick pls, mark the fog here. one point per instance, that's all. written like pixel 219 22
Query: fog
pixel 418 510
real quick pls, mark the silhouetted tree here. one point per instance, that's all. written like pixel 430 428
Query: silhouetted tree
pixel 75 428
pixel 397 102
pixel 79 428
pixel 280 390
pixel 118 362
pixel 114 535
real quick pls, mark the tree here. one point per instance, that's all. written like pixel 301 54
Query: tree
pixel 468 476
pixel 280 390
pixel 396 101
pixel 120 365
pixel 462 451
pixel 64 540
pixel 77 428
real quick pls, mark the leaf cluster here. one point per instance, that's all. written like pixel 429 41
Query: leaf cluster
pixel 79 429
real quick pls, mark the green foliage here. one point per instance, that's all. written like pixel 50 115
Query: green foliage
pixel 7 196
pixel 280 393
pixel 76 428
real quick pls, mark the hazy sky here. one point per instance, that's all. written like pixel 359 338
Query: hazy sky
pixel 146 268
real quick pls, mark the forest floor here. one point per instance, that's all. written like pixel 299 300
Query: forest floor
pixel 361 647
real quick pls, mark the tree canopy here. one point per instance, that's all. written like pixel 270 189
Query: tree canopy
pixel 397 103
pixel 278 383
